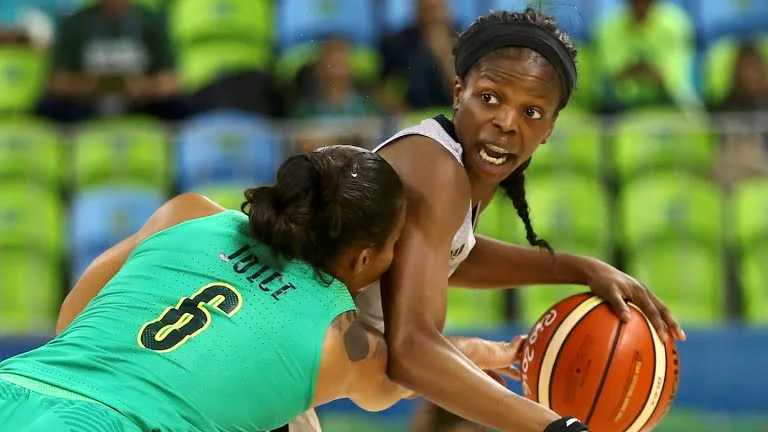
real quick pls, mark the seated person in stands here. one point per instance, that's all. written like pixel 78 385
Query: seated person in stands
pixel 113 57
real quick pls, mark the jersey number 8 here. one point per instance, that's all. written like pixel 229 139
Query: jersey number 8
pixel 176 325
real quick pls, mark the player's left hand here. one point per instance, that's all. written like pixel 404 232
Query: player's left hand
pixel 615 287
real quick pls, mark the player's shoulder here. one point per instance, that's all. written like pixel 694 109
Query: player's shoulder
pixel 426 164
pixel 437 187
pixel 179 209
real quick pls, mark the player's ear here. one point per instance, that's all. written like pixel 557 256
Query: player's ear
pixel 361 261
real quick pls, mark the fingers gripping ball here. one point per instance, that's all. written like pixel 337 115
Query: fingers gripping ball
pixel 580 360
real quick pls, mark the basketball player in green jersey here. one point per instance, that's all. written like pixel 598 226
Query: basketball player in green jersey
pixel 213 320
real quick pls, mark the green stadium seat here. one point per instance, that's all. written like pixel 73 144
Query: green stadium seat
pixel 719 65
pixel 206 62
pixel 569 208
pixel 226 195
pixel 754 284
pixel 689 277
pixel 660 139
pixel 586 94
pixel 31 219
pixel 30 293
pixel 669 206
pixel 22 78
pixel 575 145
pixel 572 212
pixel 216 37
pixel 30 149
pixel 750 213
pixel 194 21
pixel 122 150
pixel 672 229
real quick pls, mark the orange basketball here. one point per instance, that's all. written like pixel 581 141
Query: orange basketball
pixel 580 360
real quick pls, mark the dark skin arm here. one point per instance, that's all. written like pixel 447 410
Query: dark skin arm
pixel 414 295
pixel 495 264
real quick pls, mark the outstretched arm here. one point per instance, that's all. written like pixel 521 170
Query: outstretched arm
pixel 495 264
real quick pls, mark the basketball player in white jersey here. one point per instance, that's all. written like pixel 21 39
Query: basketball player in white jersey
pixel 515 72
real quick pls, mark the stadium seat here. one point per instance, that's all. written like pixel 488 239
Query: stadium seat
pixel 30 149
pixel 121 150
pixel 31 218
pixel 750 213
pixel 569 208
pixel 572 213
pixel 575 17
pixel 716 18
pixel 201 21
pixel 229 196
pixel 22 78
pixel 214 38
pixel 719 64
pixel 30 293
pixel 309 20
pixel 754 280
pixel 227 147
pixel 574 146
pixel 669 206
pixel 204 63
pixel 662 139
pixel 688 276
pixel 102 217
pixel 672 230
pixel 399 14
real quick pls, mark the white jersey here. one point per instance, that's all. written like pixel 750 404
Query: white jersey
pixel 441 130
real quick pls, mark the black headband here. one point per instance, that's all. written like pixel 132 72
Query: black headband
pixel 519 34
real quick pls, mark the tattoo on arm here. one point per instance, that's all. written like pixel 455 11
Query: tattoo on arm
pixel 357 343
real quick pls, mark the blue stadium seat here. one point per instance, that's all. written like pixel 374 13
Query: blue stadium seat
pixel 575 17
pixel 227 147
pixel 102 217
pixel 307 20
pixel 399 14
pixel 716 18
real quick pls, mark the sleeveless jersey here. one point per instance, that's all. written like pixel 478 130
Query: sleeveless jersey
pixel 201 330
pixel 442 131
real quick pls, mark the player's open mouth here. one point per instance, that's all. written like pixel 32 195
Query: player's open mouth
pixel 495 155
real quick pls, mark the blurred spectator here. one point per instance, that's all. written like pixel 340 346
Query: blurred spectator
pixel 745 142
pixel 327 93
pixel 417 61
pixel 432 418
pixel 750 81
pixel 647 52
pixel 330 87
pixel 111 58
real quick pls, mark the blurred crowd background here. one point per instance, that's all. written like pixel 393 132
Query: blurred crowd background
pixel 659 165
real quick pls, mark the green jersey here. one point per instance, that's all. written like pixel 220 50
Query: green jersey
pixel 202 329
